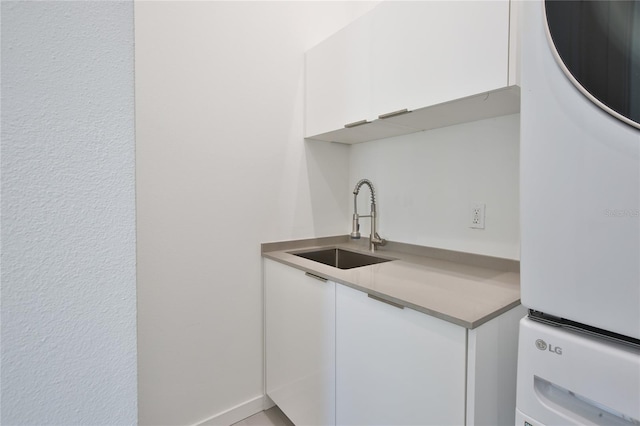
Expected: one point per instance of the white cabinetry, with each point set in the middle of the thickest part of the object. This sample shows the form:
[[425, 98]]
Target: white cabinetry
[[338, 79], [418, 56], [300, 344], [396, 366], [492, 353], [335, 355], [430, 52]]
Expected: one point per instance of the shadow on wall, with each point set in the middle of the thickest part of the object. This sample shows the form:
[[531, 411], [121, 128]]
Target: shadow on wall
[[328, 174]]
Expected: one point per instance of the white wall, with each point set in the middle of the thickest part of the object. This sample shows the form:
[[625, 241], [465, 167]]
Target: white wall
[[426, 182], [222, 167], [68, 214]]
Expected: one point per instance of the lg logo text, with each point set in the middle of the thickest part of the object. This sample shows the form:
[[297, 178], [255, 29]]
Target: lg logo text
[[542, 345]]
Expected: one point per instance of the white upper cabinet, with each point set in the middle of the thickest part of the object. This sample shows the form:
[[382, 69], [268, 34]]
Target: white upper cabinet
[[430, 52], [438, 59], [338, 88]]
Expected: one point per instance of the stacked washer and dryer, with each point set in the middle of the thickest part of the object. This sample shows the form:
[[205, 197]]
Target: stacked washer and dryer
[[579, 347]]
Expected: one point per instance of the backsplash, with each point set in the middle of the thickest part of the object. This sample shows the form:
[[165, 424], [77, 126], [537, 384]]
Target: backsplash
[[427, 182]]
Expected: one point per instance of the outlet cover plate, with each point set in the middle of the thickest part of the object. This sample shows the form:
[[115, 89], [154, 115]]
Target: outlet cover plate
[[477, 216]]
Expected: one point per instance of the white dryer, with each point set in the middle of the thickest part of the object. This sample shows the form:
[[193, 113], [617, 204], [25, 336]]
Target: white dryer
[[579, 349]]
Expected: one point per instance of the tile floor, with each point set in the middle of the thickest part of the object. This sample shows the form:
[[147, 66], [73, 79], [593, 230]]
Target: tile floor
[[271, 417]]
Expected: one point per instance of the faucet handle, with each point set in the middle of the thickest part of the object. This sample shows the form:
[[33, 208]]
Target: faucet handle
[[378, 240]]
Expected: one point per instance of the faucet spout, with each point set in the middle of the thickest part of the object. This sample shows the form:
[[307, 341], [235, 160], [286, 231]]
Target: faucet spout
[[374, 238]]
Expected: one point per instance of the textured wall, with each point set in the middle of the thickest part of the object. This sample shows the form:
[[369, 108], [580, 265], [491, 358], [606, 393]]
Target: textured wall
[[68, 214]]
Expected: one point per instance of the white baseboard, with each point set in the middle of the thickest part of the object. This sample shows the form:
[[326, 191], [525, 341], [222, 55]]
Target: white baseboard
[[239, 412]]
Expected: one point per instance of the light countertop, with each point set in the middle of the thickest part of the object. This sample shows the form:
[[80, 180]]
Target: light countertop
[[464, 289]]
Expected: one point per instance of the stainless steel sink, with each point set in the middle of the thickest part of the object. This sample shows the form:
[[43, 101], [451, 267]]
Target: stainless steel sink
[[340, 258]]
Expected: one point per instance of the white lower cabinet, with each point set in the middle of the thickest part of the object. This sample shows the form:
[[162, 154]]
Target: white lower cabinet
[[334, 355], [396, 366], [492, 354], [300, 344]]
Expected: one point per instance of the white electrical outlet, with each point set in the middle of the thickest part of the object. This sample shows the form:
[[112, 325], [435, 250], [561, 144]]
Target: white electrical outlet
[[477, 216]]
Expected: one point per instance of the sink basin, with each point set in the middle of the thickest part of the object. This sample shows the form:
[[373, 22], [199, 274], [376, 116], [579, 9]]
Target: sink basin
[[340, 258]]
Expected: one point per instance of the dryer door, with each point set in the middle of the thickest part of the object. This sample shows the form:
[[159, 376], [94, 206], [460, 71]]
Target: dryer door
[[579, 196], [597, 44]]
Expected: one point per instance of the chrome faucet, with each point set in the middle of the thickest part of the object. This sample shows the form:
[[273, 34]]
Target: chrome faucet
[[374, 238]]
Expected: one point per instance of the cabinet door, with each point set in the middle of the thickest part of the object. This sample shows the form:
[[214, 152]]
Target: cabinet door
[[300, 344], [429, 52], [338, 83], [396, 366]]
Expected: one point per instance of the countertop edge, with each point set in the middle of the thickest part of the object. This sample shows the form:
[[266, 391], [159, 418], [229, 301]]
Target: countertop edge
[[273, 251]]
